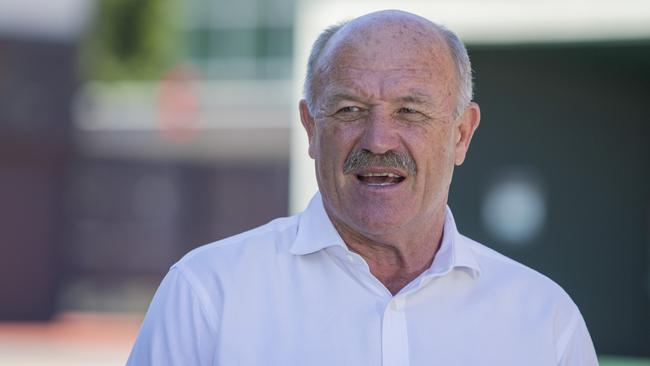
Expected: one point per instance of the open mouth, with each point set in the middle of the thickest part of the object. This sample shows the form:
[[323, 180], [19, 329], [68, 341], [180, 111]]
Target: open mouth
[[380, 179]]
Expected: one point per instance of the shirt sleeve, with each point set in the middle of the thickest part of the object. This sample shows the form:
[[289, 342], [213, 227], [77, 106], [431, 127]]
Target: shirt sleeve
[[577, 347], [176, 329]]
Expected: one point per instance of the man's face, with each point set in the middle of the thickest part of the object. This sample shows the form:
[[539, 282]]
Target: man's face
[[385, 93]]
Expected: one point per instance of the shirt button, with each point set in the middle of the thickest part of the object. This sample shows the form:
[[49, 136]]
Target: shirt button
[[350, 258]]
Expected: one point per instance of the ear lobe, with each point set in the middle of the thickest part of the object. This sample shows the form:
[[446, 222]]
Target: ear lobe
[[467, 125], [308, 123]]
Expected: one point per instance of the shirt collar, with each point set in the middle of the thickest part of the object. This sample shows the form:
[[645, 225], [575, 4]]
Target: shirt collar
[[316, 232], [454, 250]]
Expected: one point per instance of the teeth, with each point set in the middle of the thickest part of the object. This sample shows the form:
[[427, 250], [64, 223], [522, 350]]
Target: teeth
[[390, 175]]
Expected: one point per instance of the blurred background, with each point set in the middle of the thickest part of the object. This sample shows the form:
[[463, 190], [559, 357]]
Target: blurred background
[[134, 131]]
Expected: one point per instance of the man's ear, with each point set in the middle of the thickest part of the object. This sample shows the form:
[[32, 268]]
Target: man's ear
[[309, 124], [467, 125]]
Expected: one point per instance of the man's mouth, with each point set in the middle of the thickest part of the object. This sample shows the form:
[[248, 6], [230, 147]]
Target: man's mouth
[[380, 179]]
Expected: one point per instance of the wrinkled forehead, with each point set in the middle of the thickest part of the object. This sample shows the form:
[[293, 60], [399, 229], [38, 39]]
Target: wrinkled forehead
[[384, 84]]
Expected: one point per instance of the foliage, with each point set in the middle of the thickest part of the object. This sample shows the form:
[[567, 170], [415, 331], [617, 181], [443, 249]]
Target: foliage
[[130, 39]]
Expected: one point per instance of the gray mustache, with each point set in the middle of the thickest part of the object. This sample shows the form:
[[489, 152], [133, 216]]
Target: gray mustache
[[360, 159]]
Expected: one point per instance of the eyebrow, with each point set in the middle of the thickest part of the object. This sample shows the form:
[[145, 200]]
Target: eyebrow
[[337, 97], [415, 97]]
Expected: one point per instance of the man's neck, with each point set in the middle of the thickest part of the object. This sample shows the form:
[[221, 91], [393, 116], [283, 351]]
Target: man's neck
[[397, 259]]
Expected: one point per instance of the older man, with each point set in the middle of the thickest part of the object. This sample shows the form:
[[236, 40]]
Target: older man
[[373, 272]]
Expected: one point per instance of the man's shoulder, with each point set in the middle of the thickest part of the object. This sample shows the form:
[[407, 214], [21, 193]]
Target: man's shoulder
[[507, 272], [519, 296]]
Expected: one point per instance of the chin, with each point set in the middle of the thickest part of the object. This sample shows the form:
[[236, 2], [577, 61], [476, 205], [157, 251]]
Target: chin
[[376, 224]]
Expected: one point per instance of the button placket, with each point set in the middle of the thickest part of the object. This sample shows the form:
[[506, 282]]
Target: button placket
[[395, 348]]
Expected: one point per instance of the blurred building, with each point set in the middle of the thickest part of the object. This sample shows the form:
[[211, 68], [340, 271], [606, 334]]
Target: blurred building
[[199, 154], [109, 180], [37, 85], [248, 39]]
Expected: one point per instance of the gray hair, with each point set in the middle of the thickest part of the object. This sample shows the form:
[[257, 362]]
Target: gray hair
[[456, 47]]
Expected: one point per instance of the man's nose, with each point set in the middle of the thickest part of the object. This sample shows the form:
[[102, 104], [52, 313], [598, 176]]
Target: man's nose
[[380, 135]]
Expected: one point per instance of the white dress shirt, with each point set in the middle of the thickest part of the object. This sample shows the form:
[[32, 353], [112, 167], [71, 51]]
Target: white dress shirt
[[291, 293]]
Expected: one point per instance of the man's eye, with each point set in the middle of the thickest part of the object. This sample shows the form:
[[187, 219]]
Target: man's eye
[[407, 110], [350, 109], [349, 113], [411, 114]]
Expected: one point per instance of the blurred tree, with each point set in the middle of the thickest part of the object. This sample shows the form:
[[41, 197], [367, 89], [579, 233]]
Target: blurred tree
[[131, 39]]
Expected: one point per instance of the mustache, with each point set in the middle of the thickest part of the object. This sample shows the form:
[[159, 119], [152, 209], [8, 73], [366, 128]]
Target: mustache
[[360, 159]]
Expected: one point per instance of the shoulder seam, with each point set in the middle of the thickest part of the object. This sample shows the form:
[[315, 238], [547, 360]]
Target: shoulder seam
[[213, 322], [563, 339]]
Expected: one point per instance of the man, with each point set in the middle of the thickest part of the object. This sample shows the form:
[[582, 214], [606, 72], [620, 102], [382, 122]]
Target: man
[[373, 272]]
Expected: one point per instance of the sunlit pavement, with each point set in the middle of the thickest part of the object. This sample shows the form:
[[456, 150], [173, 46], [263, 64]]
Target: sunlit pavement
[[71, 339]]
